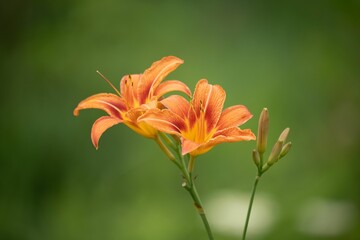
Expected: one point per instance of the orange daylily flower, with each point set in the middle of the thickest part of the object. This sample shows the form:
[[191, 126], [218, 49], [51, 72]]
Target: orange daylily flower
[[138, 93], [201, 124]]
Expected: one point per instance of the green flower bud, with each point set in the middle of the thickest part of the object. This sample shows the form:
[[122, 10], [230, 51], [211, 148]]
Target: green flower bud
[[285, 149], [275, 153], [263, 129], [284, 135], [256, 157]]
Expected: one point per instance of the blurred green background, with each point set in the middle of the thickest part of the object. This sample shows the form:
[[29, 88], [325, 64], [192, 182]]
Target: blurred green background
[[298, 58]]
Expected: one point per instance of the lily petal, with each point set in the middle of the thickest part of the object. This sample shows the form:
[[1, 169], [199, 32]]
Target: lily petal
[[177, 104], [152, 77], [100, 126], [188, 146], [171, 86], [133, 114], [142, 128], [110, 103], [209, 99], [128, 88], [233, 116], [228, 135], [233, 135], [163, 120]]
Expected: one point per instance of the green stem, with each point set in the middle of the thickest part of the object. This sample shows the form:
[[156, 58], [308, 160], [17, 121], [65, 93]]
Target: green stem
[[164, 148], [250, 205], [199, 207], [168, 141], [189, 185], [191, 164]]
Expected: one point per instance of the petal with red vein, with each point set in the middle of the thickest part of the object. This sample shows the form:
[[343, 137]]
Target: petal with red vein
[[171, 86], [155, 74], [233, 116], [110, 103], [100, 126], [129, 88], [234, 135], [228, 135], [210, 100], [177, 104], [163, 120]]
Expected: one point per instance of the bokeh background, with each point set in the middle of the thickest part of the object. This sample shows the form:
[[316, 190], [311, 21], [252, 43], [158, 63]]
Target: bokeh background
[[298, 58]]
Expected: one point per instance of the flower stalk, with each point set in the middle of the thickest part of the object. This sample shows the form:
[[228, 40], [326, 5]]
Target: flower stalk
[[189, 186], [186, 170], [199, 207], [257, 178], [279, 150], [164, 148]]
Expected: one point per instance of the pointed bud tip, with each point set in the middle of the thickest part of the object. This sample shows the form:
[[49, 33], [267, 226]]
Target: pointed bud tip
[[263, 129], [283, 136], [285, 149]]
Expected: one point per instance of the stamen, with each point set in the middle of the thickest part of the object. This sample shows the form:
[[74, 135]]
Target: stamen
[[117, 91], [201, 106], [131, 81]]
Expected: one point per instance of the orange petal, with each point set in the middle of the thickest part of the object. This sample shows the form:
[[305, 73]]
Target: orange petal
[[129, 88], [100, 126], [177, 104], [142, 128], [233, 135], [228, 135], [110, 103], [133, 114], [233, 116], [208, 99], [188, 146], [152, 77], [163, 120], [171, 86]]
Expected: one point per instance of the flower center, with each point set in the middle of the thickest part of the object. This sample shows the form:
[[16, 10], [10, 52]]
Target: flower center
[[198, 132]]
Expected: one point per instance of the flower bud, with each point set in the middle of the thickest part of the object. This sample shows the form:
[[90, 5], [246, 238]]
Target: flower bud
[[263, 129], [285, 149], [275, 153], [284, 135], [256, 157]]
